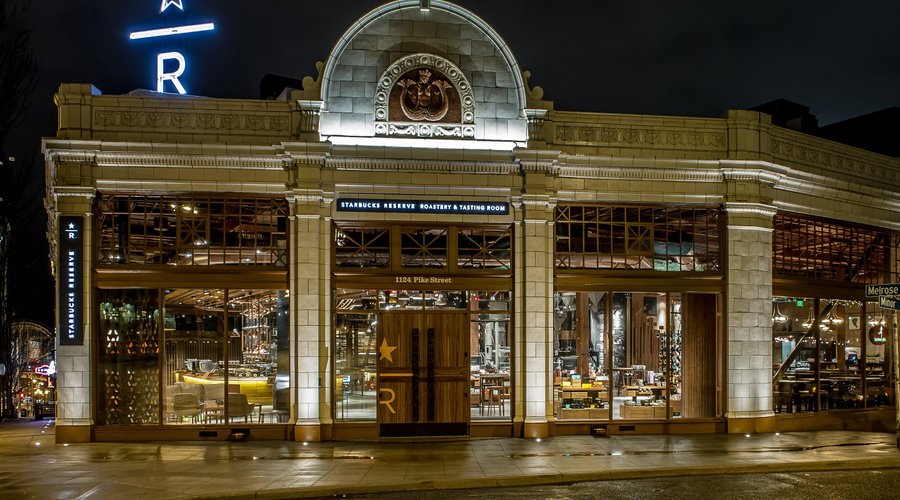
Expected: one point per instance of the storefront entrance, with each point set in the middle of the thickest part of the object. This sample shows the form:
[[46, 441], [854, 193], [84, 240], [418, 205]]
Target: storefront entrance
[[423, 373]]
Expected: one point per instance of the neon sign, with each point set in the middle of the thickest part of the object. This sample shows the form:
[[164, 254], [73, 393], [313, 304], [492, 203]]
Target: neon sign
[[70, 257], [170, 66], [422, 206]]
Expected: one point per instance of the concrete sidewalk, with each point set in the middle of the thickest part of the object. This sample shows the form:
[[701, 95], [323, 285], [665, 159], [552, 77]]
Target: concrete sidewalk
[[32, 465]]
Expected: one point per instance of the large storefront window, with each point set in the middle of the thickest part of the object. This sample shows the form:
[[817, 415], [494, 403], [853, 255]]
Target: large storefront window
[[224, 357], [830, 354], [833, 351], [635, 356]]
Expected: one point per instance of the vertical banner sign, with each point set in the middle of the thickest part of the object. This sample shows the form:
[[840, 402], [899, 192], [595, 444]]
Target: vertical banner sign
[[71, 276], [171, 65]]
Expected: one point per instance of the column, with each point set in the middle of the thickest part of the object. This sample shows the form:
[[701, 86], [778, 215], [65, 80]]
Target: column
[[74, 403], [310, 308], [749, 326], [536, 313]]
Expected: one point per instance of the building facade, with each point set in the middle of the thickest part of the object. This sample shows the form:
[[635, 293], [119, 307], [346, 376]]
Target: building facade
[[416, 243]]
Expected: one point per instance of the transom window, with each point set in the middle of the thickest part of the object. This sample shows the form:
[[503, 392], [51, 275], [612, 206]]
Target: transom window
[[803, 247], [634, 238], [192, 230], [429, 248]]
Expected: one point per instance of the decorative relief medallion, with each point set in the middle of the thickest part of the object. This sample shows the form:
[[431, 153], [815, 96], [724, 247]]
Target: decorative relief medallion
[[425, 98], [424, 95]]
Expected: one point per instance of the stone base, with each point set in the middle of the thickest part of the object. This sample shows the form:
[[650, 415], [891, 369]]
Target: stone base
[[752, 425], [73, 434], [308, 433], [536, 430]]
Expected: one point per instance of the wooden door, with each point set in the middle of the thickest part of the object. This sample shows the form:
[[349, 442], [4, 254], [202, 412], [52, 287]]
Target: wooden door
[[423, 373]]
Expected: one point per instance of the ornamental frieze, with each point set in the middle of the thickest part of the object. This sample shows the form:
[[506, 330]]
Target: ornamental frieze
[[834, 163], [629, 135], [190, 120]]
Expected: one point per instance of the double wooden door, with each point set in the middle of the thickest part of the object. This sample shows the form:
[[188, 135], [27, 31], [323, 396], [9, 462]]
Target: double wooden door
[[423, 373]]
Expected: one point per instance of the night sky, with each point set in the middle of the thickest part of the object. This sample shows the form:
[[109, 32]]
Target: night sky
[[695, 58]]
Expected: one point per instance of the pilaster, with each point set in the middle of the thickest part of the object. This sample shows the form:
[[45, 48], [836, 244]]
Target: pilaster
[[748, 304], [74, 398], [536, 313]]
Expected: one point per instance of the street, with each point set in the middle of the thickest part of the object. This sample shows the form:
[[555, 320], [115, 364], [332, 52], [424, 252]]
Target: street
[[782, 486]]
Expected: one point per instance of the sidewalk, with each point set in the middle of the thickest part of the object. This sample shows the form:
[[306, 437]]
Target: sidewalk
[[33, 466]]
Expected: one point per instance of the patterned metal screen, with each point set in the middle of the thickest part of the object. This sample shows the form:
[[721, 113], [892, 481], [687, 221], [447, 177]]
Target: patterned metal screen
[[192, 230], [637, 238]]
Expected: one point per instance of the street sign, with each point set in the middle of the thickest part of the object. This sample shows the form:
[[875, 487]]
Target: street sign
[[889, 289], [889, 303]]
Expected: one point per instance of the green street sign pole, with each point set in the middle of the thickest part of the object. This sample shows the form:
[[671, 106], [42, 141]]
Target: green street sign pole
[[885, 294]]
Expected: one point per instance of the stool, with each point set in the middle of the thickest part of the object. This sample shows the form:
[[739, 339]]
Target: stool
[[492, 399], [278, 416]]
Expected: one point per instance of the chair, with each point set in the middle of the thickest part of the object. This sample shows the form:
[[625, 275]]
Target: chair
[[238, 406], [186, 404]]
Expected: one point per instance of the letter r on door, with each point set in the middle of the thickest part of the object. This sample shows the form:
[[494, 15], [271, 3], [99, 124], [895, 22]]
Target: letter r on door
[[388, 401]]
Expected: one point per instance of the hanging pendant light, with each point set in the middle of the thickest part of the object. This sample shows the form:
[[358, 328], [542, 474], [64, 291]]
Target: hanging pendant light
[[809, 320], [777, 316]]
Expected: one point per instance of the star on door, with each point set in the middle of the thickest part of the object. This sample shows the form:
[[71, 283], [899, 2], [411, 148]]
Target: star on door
[[386, 351]]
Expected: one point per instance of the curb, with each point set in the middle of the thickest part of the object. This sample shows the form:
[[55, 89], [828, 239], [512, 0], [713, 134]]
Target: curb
[[549, 479]]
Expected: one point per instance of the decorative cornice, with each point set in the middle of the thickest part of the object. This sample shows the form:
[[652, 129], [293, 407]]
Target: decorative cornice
[[74, 191], [836, 164], [404, 165], [748, 174], [178, 120], [170, 160], [739, 208], [607, 135]]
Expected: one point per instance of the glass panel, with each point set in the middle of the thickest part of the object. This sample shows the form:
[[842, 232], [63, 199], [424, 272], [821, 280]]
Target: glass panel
[[484, 248], [192, 230], [638, 329], [877, 327], [355, 358], [840, 355], [368, 247], [195, 356], [675, 343], [581, 378], [423, 248], [347, 300], [128, 357], [794, 334], [259, 369], [490, 383]]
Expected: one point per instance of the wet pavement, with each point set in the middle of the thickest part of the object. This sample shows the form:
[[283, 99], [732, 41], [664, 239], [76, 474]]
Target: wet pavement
[[33, 465]]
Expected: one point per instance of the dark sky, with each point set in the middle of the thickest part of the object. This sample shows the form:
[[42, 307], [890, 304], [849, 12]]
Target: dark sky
[[696, 58]]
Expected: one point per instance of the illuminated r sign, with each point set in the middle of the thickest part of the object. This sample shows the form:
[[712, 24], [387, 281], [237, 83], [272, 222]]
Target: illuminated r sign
[[162, 75], [166, 60]]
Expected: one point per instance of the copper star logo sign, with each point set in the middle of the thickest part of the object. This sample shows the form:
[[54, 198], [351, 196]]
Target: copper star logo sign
[[386, 351]]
